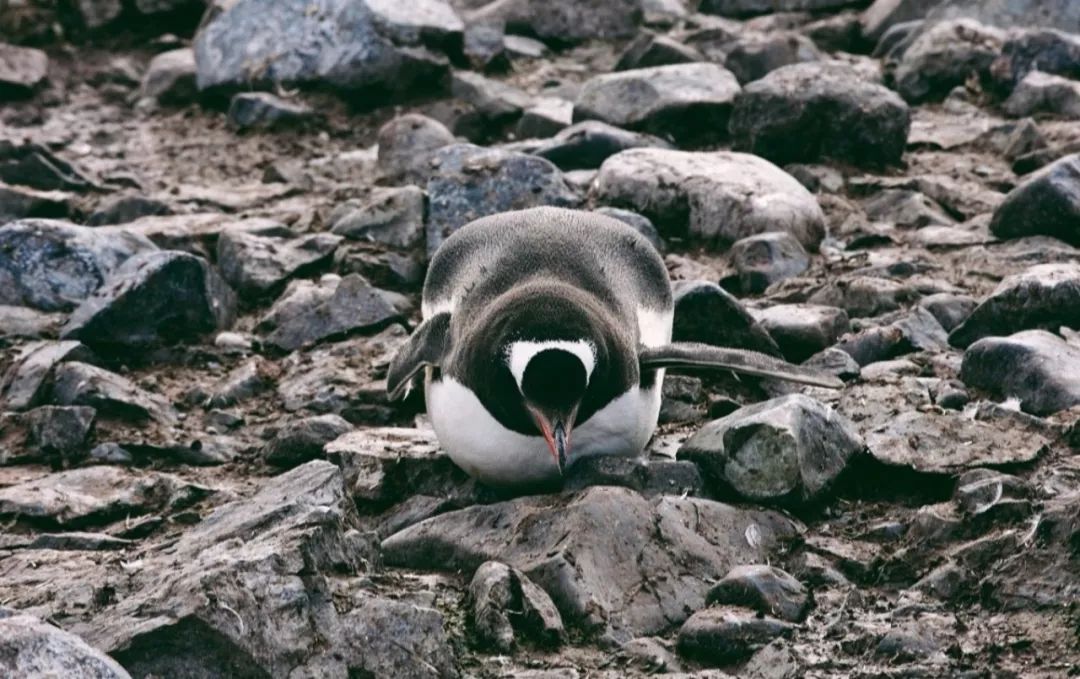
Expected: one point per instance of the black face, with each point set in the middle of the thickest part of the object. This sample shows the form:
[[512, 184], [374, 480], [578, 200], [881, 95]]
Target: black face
[[554, 381]]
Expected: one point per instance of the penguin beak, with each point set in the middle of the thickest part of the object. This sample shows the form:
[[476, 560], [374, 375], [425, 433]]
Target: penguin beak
[[556, 432]]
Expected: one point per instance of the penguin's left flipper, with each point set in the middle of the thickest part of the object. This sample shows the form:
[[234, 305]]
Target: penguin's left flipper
[[426, 347], [696, 355]]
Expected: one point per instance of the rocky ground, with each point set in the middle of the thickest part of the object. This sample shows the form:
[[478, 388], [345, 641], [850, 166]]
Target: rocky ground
[[213, 229]]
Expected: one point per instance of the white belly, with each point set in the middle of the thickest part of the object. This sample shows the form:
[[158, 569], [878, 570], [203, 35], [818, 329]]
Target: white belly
[[500, 457]]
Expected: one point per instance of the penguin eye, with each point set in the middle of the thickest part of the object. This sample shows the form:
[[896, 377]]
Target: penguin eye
[[554, 378]]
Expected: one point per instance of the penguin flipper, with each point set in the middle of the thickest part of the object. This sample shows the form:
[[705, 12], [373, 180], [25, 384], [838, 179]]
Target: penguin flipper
[[426, 347], [696, 355]]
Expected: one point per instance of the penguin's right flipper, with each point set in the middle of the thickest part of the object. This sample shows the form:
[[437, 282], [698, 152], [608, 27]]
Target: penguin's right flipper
[[426, 347], [696, 355]]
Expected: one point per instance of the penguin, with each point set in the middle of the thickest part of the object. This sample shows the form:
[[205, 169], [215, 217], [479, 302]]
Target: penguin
[[545, 337]]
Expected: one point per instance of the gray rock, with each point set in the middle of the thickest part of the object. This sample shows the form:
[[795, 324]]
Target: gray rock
[[754, 55], [586, 145], [716, 197], [472, 182], [20, 203], [743, 8], [1046, 203], [545, 118], [79, 384], [865, 295], [20, 321], [1041, 92], [484, 46], [639, 223], [939, 442], [918, 331], [766, 258], [242, 383], [945, 56], [834, 361], [505, 600], [885, 14], [170, 77], [802, 330], [493, 106], [28, 378], [60, 432], [258, 266], [1064, 15], [1025, 138], [154, 298], [301, 441], [648, 50], [788, 450], [650, 655], [1046, 296], [366, 45], [434, 23], [836, 33], [949, 309], [406, 144], [905, 209], [308, 313], [391, 216], [33, 165], [690, 103], [809, 112], [705, 312], [54, 265], [22, 70], [127, 209], [262, 110], [568, 21], [597, 577], [30, 647], [725, 635], [1044, 50], [1038, 368], [766, 589], [96, 495], [648, 477]]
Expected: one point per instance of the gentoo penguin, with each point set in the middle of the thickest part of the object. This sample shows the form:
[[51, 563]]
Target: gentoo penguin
[[544, 340]]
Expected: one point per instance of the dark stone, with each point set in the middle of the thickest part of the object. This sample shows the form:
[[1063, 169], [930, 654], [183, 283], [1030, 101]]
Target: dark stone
[[1036, 367], [391, 216], [883, 15], [945, 56], [29, 376], [262, 110], [705, 312], [766, 589], [1044, 50], [802, 330], [690, 103], [301, 441], [720, 636], [746, 8], [1047, 203], [918, 331], [545, 118], [568, 21], [35, 166], [21, 203], [259, 266], [470, 182], [814, 111], [588, 144], [154, 298], [766, 258], [493, 106], [949, 309], [54, 266], [754, 55], [905, 209], [1046, 296], [127, 209], [648, 477], [79, 384], [60, 432], [786, 450]]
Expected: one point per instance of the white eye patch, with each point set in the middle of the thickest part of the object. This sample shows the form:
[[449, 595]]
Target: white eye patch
[[520, 353]]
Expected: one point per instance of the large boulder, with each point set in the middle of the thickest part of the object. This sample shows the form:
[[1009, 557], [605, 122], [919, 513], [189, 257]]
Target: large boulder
[[944, 56], [689, 103], [610, 559], [347, 44], [30, 647], [717, 197], [1046, 204], [154, 298], [1036, 367], [813, 111], [54, 265]]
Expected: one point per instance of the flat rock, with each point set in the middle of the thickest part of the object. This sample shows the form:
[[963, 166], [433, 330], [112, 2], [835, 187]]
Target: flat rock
[[79, 384], [470, 182], [54, 265], [28, 379], [788, 449], [22, 70], [30, 647], [257, 266], [308, 312], [943, 442], [1046, 203], [690, 103], [944, 56], [648, 50], [301, 441], [34, 165], [568, 21], [586, 145], [170, 77], [716, 197], [406, 144], [623, 579], [95, 495], [649, 477], [765, 258], [705, 312], [766, 589], [802, 330], [725, 635], [1036, 367], [154, 298], [198, 233], [391, 216], [1045, 296], [338, 43]]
